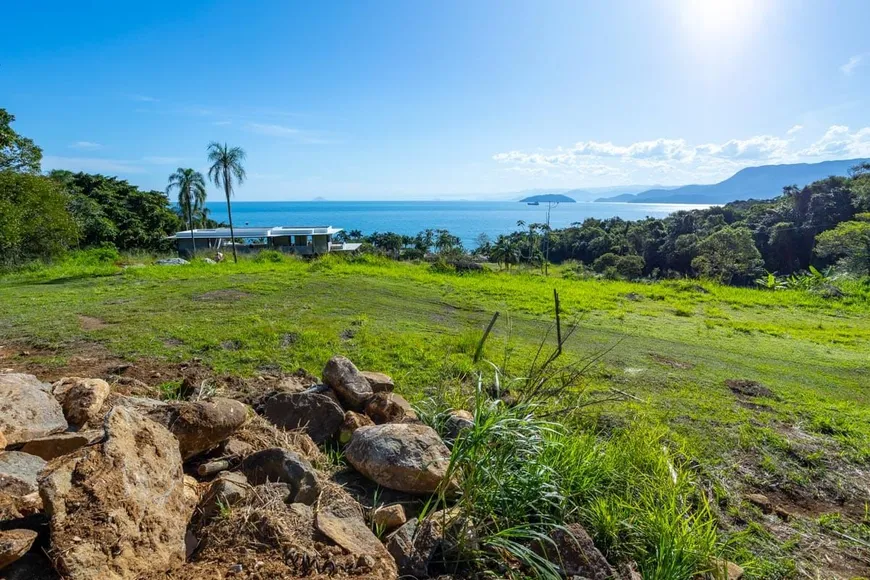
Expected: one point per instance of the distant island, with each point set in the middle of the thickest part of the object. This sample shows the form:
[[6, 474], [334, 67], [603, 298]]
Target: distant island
[[318, 198], [763, 182], [548, 198]]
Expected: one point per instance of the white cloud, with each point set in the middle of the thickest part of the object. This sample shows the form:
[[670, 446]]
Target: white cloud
[[838, 141], [854, 62], [762, 147], [85, 145], [143, 99], [222, 123], [679, 161]]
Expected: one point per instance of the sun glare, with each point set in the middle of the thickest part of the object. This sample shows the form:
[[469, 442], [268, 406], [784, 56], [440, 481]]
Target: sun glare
[[720, 25]]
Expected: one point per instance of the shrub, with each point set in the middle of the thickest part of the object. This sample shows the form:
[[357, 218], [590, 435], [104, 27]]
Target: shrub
[[630, 267], [265, 256], [605, 261]]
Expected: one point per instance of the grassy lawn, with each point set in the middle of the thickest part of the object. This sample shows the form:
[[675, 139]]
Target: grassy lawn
[[795, 424]]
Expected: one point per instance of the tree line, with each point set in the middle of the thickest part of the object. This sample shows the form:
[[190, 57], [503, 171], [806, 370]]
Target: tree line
[[42, 216], [824, 224]]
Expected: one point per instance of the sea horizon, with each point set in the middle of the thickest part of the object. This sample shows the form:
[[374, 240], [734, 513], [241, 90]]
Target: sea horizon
[[466, 219]]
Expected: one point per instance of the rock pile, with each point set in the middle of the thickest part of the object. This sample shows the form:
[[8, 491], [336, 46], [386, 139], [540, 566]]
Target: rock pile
[[98, 484]]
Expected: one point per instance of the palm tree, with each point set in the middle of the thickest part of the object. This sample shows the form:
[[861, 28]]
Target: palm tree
[[191, 195], [226, 166]]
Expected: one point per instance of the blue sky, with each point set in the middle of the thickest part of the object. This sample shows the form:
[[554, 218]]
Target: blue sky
[[407, 99]]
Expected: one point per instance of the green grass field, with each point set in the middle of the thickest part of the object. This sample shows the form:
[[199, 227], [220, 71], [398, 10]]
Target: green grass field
[[803, 438]]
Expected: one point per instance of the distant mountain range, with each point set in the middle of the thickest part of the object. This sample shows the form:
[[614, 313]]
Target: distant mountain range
[[764, 182]]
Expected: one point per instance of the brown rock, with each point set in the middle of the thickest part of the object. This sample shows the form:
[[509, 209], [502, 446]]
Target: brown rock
[[389, 408], [379, 382], [346, 527], [27, 409], [389, 517], [13, 507], [236, 448], [316, 414], [81, 399], [19, 472], [14, 544], [760, 501], [574, 552], [54, 446], [349, 384], [202, 425], [725, 570], [352, 422], [2, 441], [402, 456], [227, 489], [118, 510]]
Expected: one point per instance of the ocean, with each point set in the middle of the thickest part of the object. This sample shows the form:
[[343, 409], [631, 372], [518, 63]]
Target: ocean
[[465, 219]]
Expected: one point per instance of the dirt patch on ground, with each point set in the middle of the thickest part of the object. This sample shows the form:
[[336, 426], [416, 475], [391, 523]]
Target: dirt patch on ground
[[748, 388], [226, 295], [669, 362], [140, 376], [91, 322]]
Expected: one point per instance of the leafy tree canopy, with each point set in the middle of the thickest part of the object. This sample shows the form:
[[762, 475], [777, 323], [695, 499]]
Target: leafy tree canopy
[[17, 153]]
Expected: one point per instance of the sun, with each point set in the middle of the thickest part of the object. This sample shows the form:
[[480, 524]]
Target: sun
[[716, 25]]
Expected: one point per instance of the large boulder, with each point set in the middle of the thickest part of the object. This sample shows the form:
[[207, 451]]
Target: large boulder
[[118, 510], [19, 473], [81, 399], [402, 456], [27, 409], [389, 408], [317, 414], [285, 466], [201, 425], [348, 382], [14, 544]]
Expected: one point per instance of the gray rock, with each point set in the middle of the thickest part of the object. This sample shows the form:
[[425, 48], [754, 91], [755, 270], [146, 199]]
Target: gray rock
[[172, 262], [402, 456], [27, 409], [202, 425], [54, 446], [285, 466], [317, 414], [119, 510], [379, 382], [574, 552], [413, 545], [348, 383], [14, 544], [457, 422], [19, 473]]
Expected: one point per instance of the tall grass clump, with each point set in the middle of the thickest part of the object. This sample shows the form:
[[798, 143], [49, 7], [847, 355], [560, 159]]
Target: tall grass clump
[[521, 475]]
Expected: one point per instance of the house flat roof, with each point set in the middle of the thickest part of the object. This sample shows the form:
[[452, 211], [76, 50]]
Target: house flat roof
[[260, 232]]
